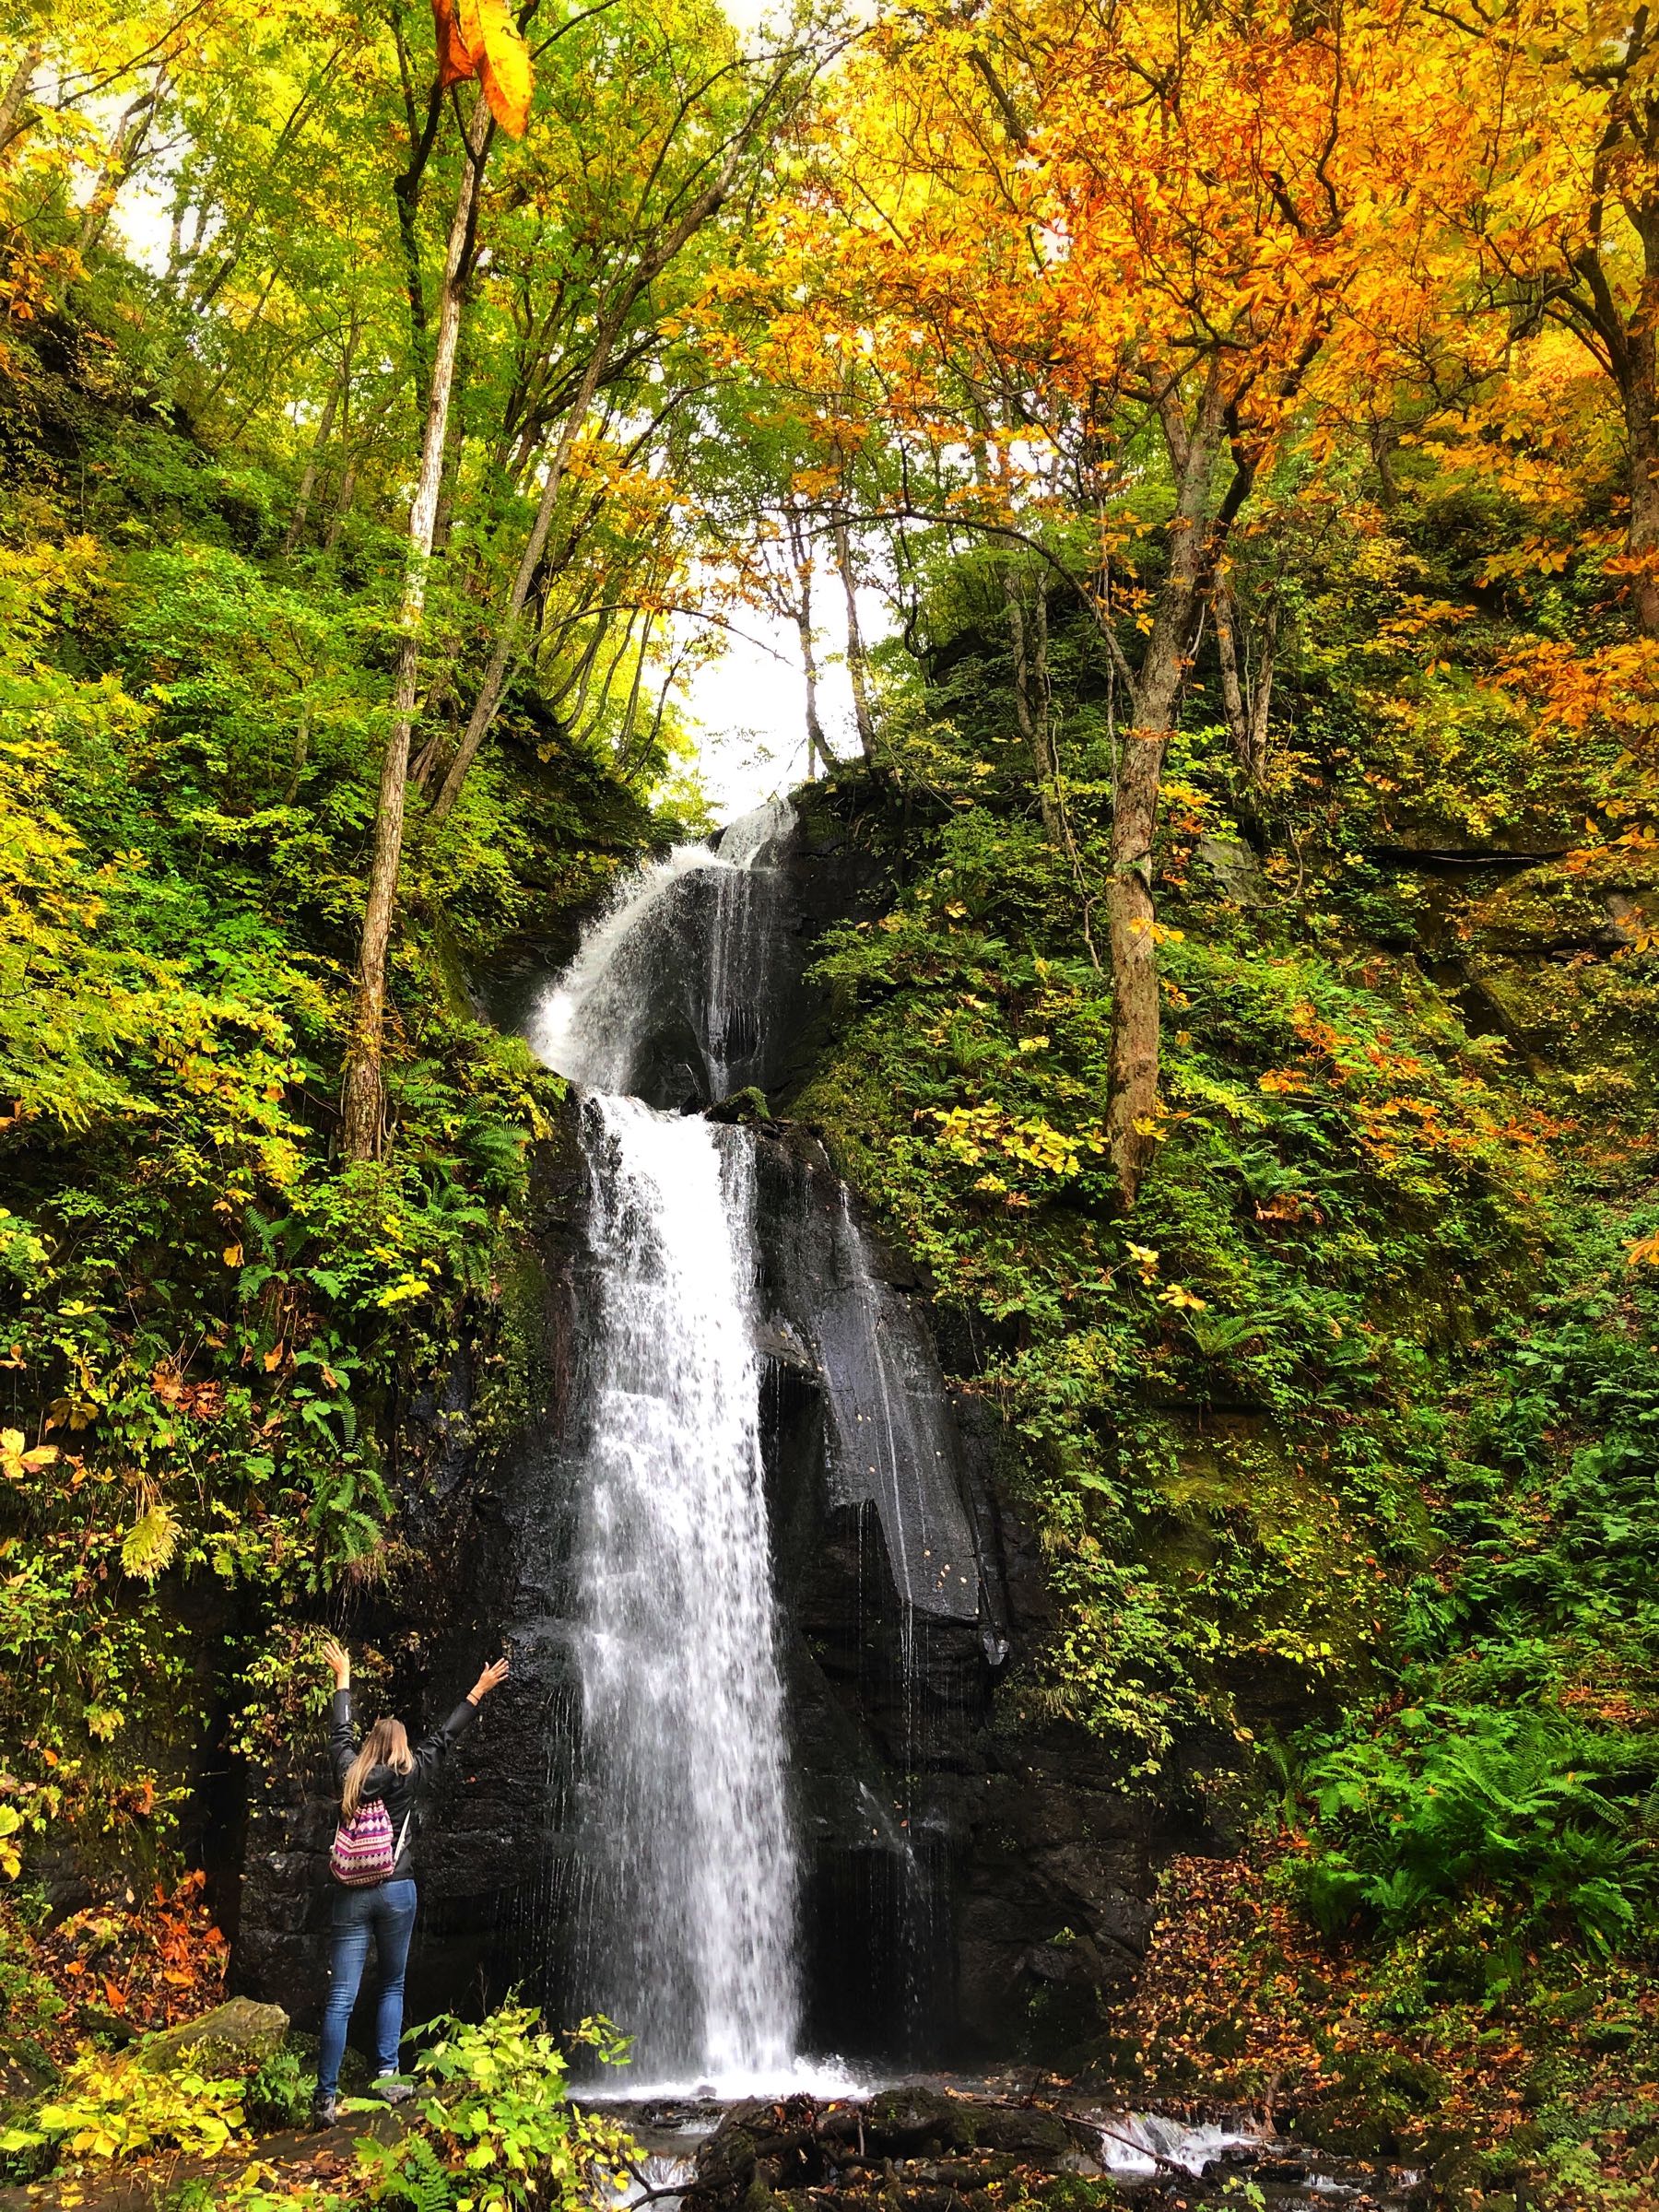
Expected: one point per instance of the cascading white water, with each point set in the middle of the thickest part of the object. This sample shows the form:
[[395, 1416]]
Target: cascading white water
[[689, 1923], [689, 1878], [665, 997]]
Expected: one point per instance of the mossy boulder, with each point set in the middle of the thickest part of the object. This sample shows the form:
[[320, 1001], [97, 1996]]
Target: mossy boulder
[[233, 2038]]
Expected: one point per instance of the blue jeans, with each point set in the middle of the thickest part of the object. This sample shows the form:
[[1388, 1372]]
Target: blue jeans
[[386, 1912]]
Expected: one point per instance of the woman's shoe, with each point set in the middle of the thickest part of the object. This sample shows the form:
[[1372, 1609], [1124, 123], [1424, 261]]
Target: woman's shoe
[[393, 2092], [325, 2111]]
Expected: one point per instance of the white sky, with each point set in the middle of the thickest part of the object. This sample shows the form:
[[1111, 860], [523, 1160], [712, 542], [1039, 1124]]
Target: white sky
[[751, 705]]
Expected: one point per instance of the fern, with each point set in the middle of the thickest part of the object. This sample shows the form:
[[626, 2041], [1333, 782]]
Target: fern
[[426, 2180], [413, 2177]]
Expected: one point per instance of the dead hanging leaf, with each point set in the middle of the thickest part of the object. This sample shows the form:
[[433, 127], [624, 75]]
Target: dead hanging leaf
[[167, 1383], [481, 39], [234, 1255], [455, 64]]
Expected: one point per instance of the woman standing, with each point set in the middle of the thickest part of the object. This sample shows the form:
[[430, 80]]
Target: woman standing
[[375, 1894]]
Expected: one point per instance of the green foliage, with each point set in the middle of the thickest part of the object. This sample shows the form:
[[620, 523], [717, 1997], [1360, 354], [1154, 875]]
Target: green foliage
[[279, 2092], [113, 2108], [1523, 1763], [209, 1329], [1353, 1415], [500, 2109], [1456, 1798]]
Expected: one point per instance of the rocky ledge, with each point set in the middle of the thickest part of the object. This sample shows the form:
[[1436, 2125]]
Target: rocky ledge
[[918, 2149]]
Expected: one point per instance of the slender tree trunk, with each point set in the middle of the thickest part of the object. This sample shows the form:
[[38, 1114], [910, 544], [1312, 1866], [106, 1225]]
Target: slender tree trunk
[[299, 753], [360, 1096], [630, 718], [1227, 652], [125, 149], [1131, 916], [1030, 709], [1641, 397], [337, 520], [16, 92], [1261, 694], [308, 481], [1246, 693], [504, 651], [816, 747], [858, 665]]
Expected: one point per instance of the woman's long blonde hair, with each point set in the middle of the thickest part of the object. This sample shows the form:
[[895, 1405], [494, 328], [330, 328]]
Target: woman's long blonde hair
[[386, 1744]]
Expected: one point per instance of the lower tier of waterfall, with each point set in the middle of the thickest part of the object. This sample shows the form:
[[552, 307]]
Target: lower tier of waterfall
[[686, 1921]]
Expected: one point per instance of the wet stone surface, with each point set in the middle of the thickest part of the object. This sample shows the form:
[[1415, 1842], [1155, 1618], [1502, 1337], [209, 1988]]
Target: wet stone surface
[[923, 2149]]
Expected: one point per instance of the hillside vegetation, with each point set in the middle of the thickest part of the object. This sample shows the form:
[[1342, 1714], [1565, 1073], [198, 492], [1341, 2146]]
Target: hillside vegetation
[[1247, 424]]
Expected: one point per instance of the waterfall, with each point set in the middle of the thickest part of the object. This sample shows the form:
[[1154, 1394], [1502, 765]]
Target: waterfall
[[684, 1824], [686, 1927], [696, 1884], [667, 997]]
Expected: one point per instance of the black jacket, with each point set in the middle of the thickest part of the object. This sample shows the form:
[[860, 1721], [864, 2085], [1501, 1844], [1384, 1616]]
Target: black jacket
[[401, 1792]]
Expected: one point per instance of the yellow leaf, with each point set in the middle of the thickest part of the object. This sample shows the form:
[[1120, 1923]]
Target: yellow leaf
[[495, 48], [234, 1255]]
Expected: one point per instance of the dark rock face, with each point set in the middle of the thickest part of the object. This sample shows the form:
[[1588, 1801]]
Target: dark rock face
[[950, 2145], [969, 1880]]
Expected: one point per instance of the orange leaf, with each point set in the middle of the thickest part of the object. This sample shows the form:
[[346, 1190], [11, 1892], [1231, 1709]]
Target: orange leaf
[[111, 1991], [455, 64]]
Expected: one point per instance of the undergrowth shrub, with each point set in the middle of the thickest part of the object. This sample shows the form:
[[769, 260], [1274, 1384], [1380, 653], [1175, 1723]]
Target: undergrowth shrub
[[1469, 1797]]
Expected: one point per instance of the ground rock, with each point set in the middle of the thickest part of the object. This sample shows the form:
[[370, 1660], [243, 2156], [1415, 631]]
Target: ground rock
[[903, 2144], [230, 2039]]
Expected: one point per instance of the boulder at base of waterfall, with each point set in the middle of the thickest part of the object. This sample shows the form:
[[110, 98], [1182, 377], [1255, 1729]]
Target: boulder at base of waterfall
[[914, 2148], [231, 2039]]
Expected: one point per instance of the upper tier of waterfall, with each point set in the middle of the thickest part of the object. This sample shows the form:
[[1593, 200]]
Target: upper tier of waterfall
[[667, 997]]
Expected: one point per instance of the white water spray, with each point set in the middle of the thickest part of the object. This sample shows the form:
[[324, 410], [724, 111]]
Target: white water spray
[[687, 1837]]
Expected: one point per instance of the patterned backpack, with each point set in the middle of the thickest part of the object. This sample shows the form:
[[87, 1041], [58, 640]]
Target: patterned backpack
[[363, 1852]]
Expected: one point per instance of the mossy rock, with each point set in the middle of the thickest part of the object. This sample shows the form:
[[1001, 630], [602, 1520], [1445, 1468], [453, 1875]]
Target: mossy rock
[[233, 2038], [1378, 2107], [904, 2123]]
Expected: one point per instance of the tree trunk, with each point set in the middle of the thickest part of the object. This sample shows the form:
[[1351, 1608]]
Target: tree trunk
[[1132, 1095], [504, 651], [858, 665], [816, 747], [1641, 405], [336, 522], [308, 481], [16, 92], [299, 753], [1131, 917], [125, 149], [361, 1104], [1031, 706]]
